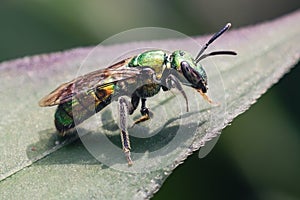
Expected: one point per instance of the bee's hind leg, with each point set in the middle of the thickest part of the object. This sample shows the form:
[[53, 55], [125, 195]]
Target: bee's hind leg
[[125, 108]]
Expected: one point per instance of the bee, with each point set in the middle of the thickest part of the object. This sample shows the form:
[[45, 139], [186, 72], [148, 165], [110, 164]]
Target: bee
[[138, 77]]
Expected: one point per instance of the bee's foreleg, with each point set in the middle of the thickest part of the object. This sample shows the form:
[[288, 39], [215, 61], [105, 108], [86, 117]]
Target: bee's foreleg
[[125, 108], [171, 81]]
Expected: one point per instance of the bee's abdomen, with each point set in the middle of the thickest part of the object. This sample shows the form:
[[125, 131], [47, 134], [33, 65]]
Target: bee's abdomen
[[63, 118], [81, 107]]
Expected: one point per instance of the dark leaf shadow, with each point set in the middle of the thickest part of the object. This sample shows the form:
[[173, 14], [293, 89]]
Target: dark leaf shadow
[[70, 149]]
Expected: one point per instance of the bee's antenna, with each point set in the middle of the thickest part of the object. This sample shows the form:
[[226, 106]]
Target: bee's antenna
[[214, 53], [213, 38]]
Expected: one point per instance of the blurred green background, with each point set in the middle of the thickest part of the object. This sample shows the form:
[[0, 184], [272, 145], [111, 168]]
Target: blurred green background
[[255, 158]]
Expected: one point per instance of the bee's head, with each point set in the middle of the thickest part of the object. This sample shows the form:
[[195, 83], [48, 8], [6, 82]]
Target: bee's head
[[190, 68], [194, 73]]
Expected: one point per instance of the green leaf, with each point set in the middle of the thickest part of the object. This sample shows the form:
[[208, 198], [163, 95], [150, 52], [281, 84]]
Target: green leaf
[[33, 165]]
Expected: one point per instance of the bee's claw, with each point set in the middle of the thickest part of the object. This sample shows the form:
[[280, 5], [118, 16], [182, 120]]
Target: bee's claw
[[128, 157]]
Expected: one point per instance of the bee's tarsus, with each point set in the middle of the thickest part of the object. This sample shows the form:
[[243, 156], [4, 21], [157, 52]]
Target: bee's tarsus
[[128, 157]]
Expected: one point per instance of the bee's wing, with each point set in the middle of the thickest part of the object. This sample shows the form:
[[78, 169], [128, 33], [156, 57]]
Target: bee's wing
[[92, 80]]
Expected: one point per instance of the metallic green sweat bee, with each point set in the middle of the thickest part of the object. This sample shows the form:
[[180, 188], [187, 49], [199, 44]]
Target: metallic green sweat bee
[[138, 77]]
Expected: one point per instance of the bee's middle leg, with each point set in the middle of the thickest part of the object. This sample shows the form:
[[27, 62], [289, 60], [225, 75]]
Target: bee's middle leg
[[144, 112]]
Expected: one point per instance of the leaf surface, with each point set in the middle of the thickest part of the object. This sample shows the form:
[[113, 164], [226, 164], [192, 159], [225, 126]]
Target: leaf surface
[[33, 165]]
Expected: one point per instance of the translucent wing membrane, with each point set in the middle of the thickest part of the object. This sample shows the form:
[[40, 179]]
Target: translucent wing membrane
[[118, 72]]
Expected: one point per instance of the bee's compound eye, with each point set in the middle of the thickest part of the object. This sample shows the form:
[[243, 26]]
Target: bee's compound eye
[[185, 66]]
